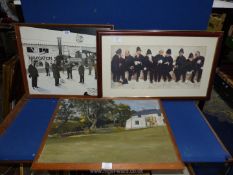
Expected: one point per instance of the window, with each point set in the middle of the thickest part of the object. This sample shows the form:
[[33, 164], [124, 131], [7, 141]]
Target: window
[[136, 122], [43, 50], [30, 49], [41, 64]]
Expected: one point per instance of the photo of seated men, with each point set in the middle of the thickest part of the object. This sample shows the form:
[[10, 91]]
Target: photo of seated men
[[150, 67]]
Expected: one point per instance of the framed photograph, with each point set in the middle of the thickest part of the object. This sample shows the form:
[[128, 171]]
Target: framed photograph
[[157, 64], [59, 59], [112, 134]]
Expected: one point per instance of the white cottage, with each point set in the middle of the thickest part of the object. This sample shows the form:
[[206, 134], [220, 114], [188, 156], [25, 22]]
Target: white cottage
[[135, 122], [145, 119]]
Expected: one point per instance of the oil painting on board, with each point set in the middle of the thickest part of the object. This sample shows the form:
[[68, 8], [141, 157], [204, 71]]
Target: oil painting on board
[[86, 131]]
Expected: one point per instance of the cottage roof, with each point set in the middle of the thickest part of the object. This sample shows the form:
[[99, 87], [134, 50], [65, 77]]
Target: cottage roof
[[147, 112]]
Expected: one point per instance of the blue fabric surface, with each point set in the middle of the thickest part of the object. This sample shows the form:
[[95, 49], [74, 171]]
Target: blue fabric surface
[[195, 140], [22, 139], [124, 14]]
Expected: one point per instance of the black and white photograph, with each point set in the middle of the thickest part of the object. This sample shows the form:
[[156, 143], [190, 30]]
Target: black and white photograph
[[60, 59], [137, 65]]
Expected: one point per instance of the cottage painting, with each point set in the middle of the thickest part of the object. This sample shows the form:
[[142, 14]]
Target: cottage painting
[[144, 119], [107, 130]]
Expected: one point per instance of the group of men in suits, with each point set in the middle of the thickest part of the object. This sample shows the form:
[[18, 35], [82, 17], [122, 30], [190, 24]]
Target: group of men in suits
[[34, 74], [160, 66]]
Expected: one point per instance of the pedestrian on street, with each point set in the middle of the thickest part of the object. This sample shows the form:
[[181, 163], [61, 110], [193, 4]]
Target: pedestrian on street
[[33, 74], [81, 71]]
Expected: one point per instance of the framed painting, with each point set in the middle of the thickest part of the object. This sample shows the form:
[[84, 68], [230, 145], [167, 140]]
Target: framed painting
[[108, 134], [59, 59], [157, 63]]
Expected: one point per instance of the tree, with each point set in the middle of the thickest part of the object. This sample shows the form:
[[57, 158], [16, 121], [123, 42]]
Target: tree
[[123, 112], [94, 110], [65, 110], [64, 113]]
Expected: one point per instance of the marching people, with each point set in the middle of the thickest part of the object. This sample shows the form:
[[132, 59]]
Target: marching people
[[198, 66], [138, 62], [146, 64], [168, 65], [129, 64], [56, 73], [189, 66], [81, 71], [47, 68], [115, 66], [69, 70], [180, 66], [33, 74]]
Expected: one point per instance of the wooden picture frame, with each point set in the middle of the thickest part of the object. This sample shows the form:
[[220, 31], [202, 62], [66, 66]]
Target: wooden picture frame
[[12, 84], [44, 161], [155, 71], [12, 115], [59, 57], [7, 76]]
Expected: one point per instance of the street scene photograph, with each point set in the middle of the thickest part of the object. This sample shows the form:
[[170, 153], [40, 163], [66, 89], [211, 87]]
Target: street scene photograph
[[60, 61]]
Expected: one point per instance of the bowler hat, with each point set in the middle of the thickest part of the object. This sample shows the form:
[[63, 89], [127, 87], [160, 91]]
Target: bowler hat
[[148, 52], [181, 50], [169, 51], [119, 51], [138, 49]]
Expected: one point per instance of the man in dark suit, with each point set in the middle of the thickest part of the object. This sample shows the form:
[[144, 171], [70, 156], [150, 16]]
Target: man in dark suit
[[115, 66], [56, 73], [81, 71], [138, 62], [69, 70], [150, 65], [155, 67], [160, 61], [90, 63], [33, 74], [168, 65], [47, 68], [198, 66], [189, 67], [180, 66], [147, 64], [122, 69], [129, 64]]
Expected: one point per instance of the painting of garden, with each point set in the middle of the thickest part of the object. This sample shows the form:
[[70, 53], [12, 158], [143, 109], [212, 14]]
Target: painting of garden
[[107, 130]]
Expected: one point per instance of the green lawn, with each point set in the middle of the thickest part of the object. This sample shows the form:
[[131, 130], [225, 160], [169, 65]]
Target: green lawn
[[151, 145]]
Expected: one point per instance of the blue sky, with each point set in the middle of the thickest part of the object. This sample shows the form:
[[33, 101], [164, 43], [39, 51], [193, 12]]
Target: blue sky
[[138, 105]]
